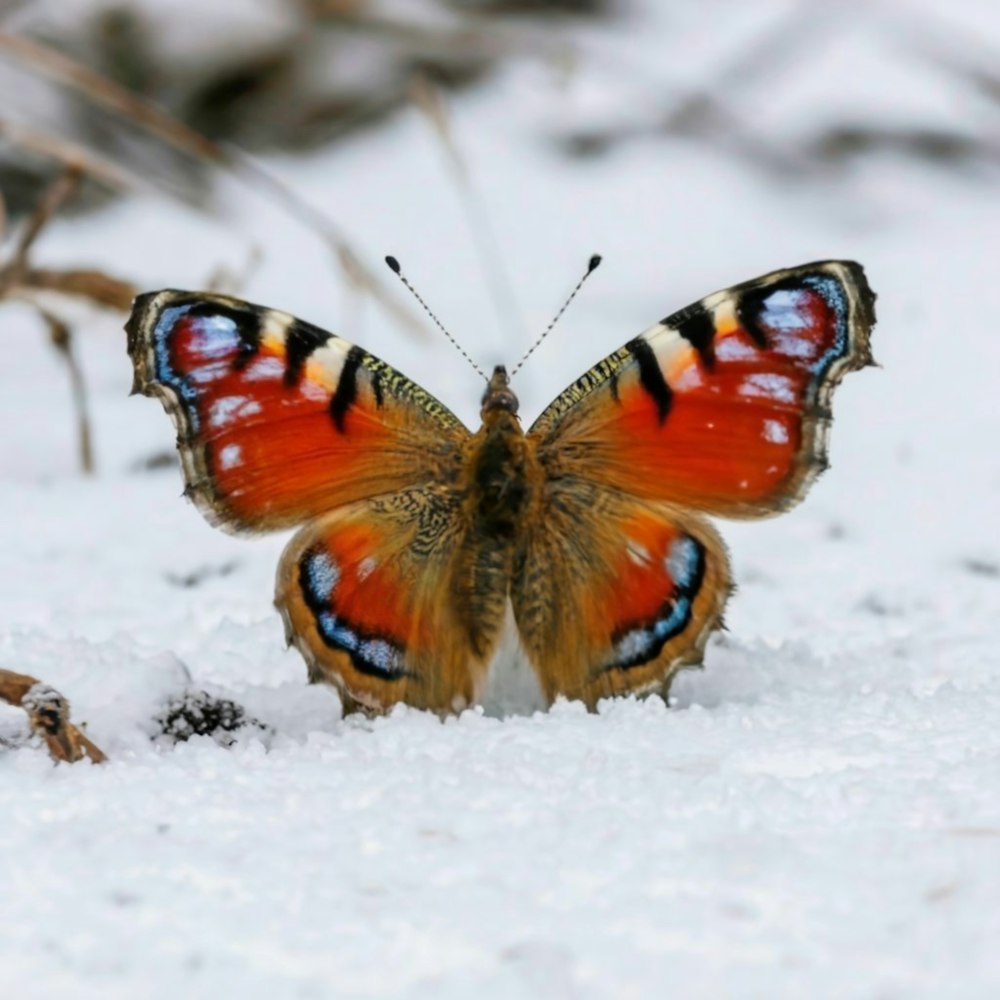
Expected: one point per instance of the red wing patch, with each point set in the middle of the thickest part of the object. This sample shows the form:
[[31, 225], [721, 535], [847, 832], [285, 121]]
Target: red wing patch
[[723, 407], [279, 421]]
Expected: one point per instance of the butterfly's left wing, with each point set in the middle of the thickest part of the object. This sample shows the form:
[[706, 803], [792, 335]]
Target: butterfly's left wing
[[723, 407], [277, 420]]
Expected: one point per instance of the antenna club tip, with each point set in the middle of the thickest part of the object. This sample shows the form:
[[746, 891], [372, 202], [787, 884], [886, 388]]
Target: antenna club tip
[[594, 263], [394, 264]]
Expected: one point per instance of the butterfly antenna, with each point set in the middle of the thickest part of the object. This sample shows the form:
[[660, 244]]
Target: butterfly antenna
[[592, 266], [398, 271]]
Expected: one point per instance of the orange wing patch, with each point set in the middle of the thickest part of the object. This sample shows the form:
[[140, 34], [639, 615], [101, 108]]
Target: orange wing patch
[[723, 407], [277, 420]]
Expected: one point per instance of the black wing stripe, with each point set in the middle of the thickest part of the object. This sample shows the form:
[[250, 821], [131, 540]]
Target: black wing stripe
[[651, 377], [347, 388]]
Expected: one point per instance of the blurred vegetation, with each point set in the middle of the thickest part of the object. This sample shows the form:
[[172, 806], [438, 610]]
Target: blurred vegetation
[[283, 76], [110, 95], [105, 100], [299, 74]]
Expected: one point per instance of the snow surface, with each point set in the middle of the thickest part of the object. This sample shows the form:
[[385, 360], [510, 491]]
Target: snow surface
[[816, 814]]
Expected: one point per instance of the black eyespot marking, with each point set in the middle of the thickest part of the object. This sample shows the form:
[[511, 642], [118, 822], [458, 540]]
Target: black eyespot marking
[[246, 321], [639, 642], [651, 376], [301, 341], [377, 389], [347, 388]]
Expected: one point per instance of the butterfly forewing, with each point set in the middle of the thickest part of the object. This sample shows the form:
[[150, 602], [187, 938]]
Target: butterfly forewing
[[277, 420], [724, 406]]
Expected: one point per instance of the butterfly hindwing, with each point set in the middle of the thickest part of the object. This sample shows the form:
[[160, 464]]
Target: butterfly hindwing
[[277, 420], [723, 407], [614, 594], [392, 601]]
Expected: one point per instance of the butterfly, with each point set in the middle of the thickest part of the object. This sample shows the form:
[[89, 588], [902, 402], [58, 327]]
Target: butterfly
[[419, 541]]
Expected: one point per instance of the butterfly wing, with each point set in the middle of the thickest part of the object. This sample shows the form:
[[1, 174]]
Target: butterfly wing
[[394, 600], [723, 407], [277, 420], [615, 594]]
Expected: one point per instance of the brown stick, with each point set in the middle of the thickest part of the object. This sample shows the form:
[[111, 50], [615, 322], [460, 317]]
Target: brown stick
[[62, 340], [56, 195], [48, 716], [101, 90], [19, 280], [105, 92], [95, 286], [72, 154]]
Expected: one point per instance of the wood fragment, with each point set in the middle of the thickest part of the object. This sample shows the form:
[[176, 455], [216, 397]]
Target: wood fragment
[[19, 280], [49, 717]]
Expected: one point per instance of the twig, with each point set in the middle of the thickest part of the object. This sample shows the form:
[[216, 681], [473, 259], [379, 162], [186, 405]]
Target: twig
[[48, 715], [56, 195], [62, 340], [19, 280], [70, 154], [61, 68], [95, 286], [104, 92]]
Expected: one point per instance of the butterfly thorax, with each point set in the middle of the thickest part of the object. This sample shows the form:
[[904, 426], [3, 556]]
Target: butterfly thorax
[[502, 466]]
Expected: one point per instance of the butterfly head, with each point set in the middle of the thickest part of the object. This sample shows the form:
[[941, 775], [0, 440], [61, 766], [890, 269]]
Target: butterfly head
[[499, 397]]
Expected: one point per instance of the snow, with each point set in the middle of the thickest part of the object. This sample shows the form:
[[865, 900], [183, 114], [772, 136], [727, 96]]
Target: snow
[[818, 811]]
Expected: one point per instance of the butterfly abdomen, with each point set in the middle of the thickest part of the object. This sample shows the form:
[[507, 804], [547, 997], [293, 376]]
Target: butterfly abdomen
[[500, 490]]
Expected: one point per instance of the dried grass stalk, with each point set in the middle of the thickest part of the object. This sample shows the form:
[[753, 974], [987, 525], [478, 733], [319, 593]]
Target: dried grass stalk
[[48, 715], [104, 92]]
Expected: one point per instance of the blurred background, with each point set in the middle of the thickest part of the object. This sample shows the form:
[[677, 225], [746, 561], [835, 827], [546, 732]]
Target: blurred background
[[279, 148], [790, 90]]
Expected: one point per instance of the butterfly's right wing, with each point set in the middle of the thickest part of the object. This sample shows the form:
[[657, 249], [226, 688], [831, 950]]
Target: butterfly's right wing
[[723, 407], [277, 420]]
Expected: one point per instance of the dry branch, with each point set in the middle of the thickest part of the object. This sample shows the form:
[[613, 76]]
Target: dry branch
[[70, 154], [105, 93], [48, 715], [19, 280]]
